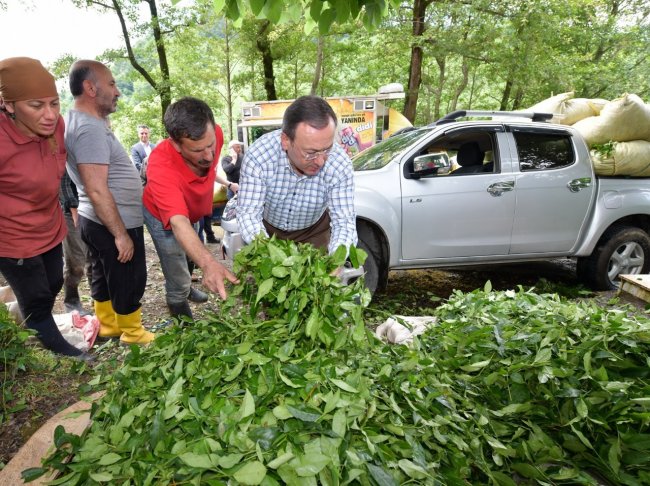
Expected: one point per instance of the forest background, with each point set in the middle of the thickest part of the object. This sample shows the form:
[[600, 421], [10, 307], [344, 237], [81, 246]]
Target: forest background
[[448, 54]]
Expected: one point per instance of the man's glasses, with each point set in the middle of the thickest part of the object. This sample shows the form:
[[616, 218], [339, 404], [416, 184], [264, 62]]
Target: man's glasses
[[315, 155]]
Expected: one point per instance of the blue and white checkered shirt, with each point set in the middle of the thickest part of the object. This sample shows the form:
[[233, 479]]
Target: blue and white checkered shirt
[[272, 190]]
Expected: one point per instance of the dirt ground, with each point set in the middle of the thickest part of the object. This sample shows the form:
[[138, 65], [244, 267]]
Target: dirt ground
[[413, 289]]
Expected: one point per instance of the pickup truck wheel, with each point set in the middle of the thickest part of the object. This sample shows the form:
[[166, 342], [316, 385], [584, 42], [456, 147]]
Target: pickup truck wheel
[[370, 268], [621, 250]]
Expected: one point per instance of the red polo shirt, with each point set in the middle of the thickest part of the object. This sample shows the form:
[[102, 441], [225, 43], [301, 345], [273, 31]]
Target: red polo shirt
[[172, 188], [31, 220]]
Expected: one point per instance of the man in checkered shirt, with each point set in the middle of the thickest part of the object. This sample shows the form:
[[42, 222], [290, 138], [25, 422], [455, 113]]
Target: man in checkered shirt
[[297, 183]]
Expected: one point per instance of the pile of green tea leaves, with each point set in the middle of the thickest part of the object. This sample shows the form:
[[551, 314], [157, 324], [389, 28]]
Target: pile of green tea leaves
[[289, 387]]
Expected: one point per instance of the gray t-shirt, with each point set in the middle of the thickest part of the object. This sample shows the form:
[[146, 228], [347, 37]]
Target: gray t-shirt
[[88, 140]]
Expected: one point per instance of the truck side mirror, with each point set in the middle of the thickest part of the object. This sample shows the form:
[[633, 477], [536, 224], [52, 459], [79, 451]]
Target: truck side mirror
[[436, 163]]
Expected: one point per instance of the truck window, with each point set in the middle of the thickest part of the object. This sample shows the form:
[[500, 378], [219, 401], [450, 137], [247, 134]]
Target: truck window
[[543, 151]]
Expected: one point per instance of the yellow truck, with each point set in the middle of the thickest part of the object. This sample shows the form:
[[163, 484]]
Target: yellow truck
[[363, 120]]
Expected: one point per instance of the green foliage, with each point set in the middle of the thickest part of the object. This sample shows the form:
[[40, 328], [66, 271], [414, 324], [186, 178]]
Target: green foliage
[[604, 149], [15, 355], [507, 388], [480, 54]]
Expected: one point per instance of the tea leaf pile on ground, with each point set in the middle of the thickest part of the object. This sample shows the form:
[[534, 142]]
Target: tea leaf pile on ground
[[508, 388]]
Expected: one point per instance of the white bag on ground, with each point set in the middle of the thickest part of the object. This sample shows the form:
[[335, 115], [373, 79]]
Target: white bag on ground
[[627, 158], [392, 331], [622, 120], [80, 331]]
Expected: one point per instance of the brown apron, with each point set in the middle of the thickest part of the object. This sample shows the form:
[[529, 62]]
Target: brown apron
[[317, 234]]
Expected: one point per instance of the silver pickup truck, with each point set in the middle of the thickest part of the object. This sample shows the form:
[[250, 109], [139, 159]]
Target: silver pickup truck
[[506, 187]]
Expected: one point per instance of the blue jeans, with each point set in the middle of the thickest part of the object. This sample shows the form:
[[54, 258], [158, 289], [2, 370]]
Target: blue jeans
[[172, 260]]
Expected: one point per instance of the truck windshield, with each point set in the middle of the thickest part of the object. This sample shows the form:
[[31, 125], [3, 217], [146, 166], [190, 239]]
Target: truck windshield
[[381, 154]]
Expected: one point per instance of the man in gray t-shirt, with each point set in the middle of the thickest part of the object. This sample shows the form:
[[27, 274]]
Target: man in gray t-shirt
[[110, 204]]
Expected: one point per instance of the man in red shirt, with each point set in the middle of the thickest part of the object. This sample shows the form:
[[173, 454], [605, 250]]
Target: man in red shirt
[[180, 184]]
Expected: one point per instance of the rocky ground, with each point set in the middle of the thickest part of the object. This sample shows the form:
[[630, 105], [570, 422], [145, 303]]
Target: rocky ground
[[413, 290]]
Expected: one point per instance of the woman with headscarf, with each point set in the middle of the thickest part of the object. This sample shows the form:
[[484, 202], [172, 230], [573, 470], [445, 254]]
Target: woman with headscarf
[[32, 227]]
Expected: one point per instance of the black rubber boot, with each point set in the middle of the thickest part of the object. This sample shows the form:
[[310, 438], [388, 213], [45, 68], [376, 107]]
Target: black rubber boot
[[180, 310], [48, 333], [197, 296], [71, 300]]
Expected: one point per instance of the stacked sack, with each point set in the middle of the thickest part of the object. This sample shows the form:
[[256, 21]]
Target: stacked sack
[[617, 131], [567, 110]]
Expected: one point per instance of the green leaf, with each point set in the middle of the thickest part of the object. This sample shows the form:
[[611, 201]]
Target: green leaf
[[251, 473], [257, 6], [32, 473], [280, 460], [475, 366], [199, 461], [310, 464], [234, 372], [381, 476], [101, 477], [248, 406], [326, 20], [230, 460], [110, 458], [412, 470], [313, 323], [264, 289], [282, 412], [273, 10], [614, 456], [339, 422], [340, 255], [303, 414], [344, 386]]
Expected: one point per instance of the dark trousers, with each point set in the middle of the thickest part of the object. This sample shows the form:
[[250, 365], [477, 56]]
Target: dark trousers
[[35, 281], [121, 283], [317, 234]]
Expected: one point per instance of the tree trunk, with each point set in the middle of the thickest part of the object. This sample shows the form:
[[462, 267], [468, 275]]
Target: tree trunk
[[417, 56], [506, 95], [461, 87], [163, 88], [264, 46], [442, 70]]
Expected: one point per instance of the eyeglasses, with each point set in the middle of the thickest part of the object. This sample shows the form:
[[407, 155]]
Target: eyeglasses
[[315, 155]]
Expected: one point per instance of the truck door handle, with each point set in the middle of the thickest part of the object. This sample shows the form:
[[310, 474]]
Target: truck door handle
[[578, 184], [499, 188]]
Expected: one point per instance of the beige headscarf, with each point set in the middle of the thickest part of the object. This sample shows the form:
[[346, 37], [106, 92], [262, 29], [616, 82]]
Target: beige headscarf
[[23, 78]]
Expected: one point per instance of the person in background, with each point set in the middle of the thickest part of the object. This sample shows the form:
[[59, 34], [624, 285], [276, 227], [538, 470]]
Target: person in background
[[180, 185], [75, 252], [110, 204], [143, 148], [297, 183], [231, 165], [32, 161]]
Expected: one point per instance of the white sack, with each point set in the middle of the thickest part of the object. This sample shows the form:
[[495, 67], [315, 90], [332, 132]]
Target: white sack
[[627, 158], [78, 330], [577, 109], [552, 105], [621, 120], [392, 331]]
